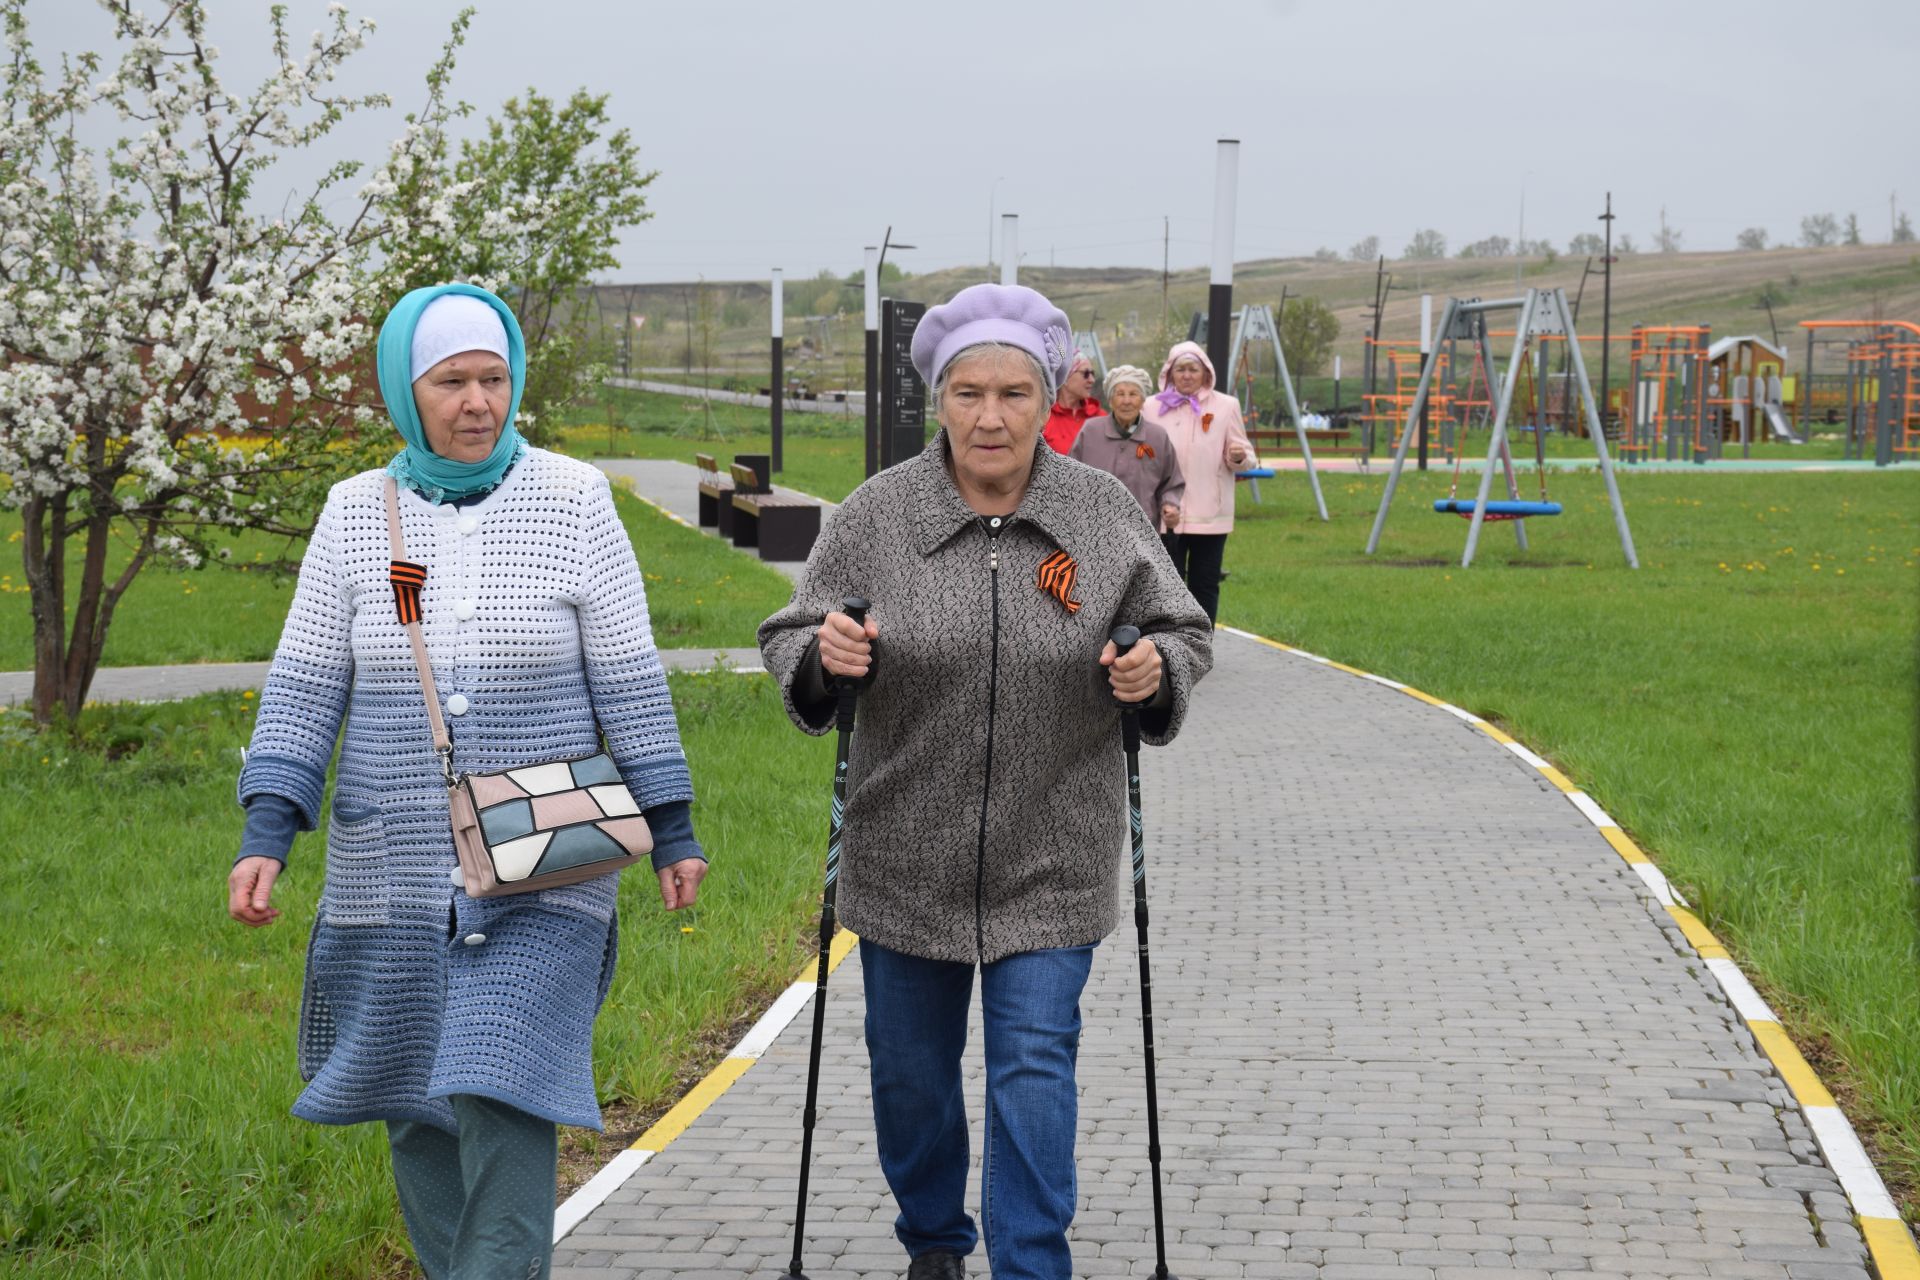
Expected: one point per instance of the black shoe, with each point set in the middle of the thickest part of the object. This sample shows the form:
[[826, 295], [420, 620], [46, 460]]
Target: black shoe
[[938, 1265]]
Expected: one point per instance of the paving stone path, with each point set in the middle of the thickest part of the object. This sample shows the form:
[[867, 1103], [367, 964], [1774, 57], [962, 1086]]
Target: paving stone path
[[1415, 1019]]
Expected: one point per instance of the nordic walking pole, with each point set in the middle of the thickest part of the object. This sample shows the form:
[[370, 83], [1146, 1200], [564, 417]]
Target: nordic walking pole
[[1124, 638], [847, 695]]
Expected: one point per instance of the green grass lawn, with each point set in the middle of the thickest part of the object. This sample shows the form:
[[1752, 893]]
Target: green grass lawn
[[700, 594], [1744, 704], [147, 1061]]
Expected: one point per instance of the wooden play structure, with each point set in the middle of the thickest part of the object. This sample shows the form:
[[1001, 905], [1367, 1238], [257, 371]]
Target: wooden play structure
[[1746, 393]]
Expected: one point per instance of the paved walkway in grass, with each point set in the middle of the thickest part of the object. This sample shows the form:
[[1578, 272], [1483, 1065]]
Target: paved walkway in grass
[[163, 684], [1416, 1019], [851, 403], [675, 486]]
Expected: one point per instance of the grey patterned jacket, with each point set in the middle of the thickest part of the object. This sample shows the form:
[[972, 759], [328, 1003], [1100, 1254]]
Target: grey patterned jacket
[[987, 807]]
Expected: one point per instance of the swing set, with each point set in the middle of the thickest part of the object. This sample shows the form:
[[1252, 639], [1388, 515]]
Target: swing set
[[1544, 317]]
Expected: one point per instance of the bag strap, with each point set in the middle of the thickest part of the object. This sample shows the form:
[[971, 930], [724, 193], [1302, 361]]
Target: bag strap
[[407, 578]]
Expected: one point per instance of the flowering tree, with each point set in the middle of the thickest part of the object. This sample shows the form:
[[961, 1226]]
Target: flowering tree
[[175, 365], [567, 164]]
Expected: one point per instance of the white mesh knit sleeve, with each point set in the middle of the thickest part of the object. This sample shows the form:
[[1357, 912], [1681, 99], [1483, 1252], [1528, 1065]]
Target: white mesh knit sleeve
[[307, 686]]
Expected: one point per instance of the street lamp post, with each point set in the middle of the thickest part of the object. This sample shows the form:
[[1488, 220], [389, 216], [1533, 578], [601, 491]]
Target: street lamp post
[[1226, 182], [777, 401]]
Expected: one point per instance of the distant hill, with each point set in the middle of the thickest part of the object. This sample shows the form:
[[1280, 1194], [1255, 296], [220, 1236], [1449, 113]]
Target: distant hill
[[1724, 290]]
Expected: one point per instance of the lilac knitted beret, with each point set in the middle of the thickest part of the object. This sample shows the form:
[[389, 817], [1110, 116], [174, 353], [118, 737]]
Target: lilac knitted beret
[[1013, 314]]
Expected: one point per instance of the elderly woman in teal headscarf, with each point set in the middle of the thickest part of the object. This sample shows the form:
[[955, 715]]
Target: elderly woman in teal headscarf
[[463, 1024]]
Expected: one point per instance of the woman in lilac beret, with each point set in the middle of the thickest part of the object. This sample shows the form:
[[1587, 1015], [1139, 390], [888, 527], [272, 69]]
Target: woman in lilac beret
[[985, 816]]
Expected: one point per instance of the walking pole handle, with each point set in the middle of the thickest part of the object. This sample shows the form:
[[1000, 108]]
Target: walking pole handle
[[1124, 638], [848, 688]]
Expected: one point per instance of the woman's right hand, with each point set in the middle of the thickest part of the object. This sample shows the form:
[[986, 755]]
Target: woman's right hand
[[249, 890], [846, 647]]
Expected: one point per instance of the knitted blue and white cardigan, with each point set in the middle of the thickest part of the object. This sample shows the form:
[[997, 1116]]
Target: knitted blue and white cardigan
[[535, 618]]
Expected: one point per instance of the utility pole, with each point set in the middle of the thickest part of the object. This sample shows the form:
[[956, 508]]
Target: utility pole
[[1606, 314], [1382, 283], [1166, 224]]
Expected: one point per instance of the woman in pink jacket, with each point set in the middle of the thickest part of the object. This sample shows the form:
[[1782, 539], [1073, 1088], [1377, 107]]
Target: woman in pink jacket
[[1211, 442]]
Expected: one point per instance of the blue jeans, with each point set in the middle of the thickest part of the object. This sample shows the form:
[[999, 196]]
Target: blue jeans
[[916, 1032]]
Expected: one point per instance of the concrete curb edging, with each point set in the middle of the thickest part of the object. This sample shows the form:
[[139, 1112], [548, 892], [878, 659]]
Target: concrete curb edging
[[594, 1192], [1890, 1245]]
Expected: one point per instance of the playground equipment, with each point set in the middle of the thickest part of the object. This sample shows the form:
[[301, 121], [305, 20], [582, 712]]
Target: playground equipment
[[1087, 343], [1255, 334], [1881, 387], [1543, 314], [1668, 394], [1386, 411], [1745, 392]]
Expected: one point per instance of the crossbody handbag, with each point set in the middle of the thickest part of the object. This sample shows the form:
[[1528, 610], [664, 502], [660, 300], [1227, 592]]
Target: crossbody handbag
[[538, 826]]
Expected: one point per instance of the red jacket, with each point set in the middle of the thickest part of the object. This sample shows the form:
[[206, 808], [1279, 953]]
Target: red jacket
[[1063, 425]]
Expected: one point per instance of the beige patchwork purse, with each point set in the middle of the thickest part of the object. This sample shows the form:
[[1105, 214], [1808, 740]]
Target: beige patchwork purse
[[538, 826]]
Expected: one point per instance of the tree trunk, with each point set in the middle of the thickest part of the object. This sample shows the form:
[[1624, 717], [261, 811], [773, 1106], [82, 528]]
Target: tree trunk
[[44, 553], [89, 632]]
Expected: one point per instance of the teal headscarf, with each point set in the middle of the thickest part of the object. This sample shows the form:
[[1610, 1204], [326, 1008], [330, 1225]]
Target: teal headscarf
[[417, 466]]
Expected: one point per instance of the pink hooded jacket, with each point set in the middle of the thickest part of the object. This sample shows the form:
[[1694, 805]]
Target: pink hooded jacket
[[1201, 442]]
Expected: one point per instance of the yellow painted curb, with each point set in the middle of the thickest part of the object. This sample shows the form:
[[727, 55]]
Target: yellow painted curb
[[688, 1109], [844, 940], [1699, 935], [1792, 1067], [1894, 1255], [1558, 778], [1494, 733], [1624, 845]]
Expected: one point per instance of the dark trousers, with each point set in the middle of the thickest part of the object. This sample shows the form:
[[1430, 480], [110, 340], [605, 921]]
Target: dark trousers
[[1196, 558], [478, 1205]]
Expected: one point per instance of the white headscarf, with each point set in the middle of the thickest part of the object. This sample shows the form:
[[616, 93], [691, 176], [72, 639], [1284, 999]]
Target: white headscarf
[[451, 324]]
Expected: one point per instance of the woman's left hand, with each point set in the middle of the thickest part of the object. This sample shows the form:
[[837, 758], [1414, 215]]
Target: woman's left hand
[[1136, 676], [680, 883], [1237, 455]]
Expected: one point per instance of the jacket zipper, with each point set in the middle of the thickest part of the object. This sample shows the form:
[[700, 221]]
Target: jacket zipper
[[986, 789]]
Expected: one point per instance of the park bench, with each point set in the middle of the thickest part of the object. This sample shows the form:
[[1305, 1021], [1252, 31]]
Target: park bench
[[781, 528], [716, 495], [1326, 442]]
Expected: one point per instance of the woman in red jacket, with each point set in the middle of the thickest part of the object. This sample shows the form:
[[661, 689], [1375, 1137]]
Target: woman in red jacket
[[1072, 407]]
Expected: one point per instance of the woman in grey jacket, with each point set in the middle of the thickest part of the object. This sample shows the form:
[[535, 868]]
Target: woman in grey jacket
[[984, 824]]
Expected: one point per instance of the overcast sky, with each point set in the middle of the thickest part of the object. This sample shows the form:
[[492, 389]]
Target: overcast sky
[[792, 134]]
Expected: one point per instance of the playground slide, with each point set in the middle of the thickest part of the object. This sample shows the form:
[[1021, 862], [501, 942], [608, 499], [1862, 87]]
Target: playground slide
[[1782, 428]]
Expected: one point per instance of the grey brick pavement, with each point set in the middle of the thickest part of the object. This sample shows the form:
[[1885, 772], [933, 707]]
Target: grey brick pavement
[[1415, 1019]]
